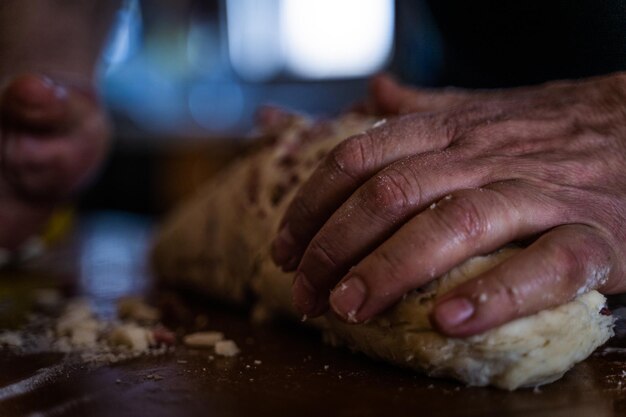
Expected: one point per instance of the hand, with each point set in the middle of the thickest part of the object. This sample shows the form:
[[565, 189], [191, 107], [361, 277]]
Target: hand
[[52, 139], [391, 209]]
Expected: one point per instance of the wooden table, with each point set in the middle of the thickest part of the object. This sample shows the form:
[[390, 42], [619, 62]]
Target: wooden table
[[297, 374]]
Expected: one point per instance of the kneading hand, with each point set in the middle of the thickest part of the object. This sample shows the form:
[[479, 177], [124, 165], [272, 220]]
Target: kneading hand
[[459, 174], [52, 138]]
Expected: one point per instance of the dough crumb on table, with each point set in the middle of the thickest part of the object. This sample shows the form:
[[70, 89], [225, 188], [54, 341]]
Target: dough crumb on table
[[134, 308], [226, 348], [203, 339], [79, 332]]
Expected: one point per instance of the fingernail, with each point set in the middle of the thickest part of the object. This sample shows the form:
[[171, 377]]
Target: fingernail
[[304, 294], [453, 312], [348, 298], [283, 250], [60, 91]]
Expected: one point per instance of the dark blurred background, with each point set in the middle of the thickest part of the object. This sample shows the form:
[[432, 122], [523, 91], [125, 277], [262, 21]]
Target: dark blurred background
[[183, 78]]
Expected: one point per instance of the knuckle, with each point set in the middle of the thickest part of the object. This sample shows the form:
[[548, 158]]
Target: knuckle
[[562, 260], [323, 254], [352, 157], [300, 209], [508, 292], [391, 267], [391, 195], [462, 217]]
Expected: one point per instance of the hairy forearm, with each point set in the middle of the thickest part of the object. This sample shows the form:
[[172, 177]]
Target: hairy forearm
[[61, 38]]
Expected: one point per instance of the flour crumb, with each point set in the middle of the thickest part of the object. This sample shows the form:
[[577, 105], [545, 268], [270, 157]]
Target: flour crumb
[[379, 123], [226, 348], [352, 316], [133, 308], [203, 339], [137, 338]]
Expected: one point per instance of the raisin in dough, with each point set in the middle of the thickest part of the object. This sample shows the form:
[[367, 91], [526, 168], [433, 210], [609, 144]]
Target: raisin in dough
[[218, 244]]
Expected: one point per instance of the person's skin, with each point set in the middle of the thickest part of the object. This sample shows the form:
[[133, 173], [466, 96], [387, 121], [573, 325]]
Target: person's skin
[[462, 173], [53, 130]]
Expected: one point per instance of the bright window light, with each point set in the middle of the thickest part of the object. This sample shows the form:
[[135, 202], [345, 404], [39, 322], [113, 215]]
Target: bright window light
[[336, 38], [254, 38], [309, 38]]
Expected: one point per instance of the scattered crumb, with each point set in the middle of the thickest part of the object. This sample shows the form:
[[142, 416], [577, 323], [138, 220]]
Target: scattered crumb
[[131, 335], [154, 377], [304, 318], [326, 367], [133, 308], [118, 381], [352, 316], [203, 339], [379, 123], [182, 362], [257, 362], [226, 348], [409, 358], [79, 332], [79, 324]]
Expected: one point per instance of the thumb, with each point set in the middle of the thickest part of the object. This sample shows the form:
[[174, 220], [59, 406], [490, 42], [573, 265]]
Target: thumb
[[35, 102]]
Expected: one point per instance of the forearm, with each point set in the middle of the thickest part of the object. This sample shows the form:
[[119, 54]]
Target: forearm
[[60, 38]]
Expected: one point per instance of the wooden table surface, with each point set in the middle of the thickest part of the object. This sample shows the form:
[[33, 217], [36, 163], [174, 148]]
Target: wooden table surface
[[297, 375]]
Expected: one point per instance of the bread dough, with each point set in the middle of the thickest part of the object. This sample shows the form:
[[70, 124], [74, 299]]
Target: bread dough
[[531, 351], [218, 244]]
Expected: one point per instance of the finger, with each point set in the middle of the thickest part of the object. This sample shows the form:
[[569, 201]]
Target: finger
[[34, 102], [348, 166], [390, 97], [468, 223], [374, 211], [565, 262], [273, 118], [50, 154], [43, 169]]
